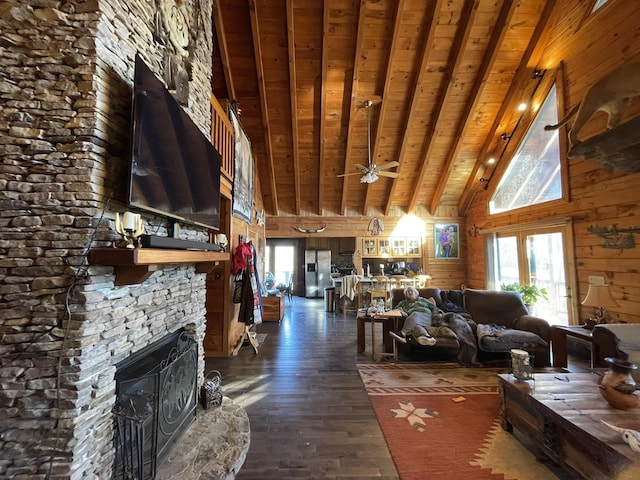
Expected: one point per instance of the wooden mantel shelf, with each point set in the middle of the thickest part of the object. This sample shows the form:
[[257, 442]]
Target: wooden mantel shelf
[[135, 265]]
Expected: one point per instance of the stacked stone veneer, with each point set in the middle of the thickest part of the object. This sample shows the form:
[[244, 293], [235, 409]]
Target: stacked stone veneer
[[66, 70]]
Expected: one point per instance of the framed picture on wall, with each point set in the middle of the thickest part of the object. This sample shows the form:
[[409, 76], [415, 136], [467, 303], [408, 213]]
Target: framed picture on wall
[[447, 240], [243, 175]]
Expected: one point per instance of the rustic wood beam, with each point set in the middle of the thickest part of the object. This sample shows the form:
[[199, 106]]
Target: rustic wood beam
[[387, 85], [323, 106], [493, 49], [257, 48], [222, 46], [467, 18], [415, 95], [353, 107], [531, 56], [294, 104]]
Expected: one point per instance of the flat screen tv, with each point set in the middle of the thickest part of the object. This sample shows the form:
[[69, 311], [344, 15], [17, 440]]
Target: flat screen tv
[[175, 170]]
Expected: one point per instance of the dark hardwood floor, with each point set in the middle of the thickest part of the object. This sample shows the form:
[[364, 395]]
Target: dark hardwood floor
[[310, 415]]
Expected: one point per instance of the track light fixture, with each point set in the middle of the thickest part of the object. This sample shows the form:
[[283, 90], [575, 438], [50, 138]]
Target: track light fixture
[[538, 73], [504, 136]]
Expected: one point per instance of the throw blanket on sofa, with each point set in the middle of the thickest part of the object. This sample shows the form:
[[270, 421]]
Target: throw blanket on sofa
[[498, 338], [467, 354]]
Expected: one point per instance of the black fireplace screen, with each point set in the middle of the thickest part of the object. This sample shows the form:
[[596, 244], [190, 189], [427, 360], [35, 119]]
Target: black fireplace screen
[[155, 403]]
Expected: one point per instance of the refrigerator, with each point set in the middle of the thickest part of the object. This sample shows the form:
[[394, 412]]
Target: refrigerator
[[317, 272]]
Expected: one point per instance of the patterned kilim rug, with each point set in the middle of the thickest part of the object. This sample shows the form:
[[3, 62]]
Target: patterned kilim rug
[[441, 421]]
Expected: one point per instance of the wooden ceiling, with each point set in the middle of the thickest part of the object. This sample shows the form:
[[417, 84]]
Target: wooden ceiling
[[442, 76]]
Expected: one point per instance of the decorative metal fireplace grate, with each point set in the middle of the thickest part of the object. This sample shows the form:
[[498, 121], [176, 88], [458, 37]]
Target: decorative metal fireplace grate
[[155, 403]]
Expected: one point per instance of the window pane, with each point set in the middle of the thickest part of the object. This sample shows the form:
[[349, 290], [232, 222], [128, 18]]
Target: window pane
[[507, 260], [533, 175]]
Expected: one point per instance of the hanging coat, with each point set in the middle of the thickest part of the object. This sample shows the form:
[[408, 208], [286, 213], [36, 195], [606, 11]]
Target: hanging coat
[[247, 286]]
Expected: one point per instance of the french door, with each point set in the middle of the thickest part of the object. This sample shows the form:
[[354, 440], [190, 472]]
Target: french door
[[538, 256]]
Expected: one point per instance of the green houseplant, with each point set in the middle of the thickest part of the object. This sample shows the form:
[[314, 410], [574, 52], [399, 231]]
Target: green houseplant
[[530, 293]]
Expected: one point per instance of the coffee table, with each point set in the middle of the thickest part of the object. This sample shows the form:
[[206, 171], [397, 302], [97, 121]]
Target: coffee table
[[561, 413]]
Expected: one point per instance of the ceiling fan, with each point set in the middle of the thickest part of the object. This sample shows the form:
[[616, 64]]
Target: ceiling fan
[[371, 172]]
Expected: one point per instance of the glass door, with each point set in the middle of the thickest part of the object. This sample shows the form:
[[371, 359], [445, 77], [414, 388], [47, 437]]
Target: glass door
[[535, 257]]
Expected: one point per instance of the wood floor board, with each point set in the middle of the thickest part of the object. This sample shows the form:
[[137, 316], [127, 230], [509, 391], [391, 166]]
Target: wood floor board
[[310, 415]]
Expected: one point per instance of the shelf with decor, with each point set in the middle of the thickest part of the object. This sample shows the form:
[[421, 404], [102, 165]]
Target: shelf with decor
[[135, 265]]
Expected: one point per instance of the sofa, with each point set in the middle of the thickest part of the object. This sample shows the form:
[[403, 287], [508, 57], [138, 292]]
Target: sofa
[[499, 321]]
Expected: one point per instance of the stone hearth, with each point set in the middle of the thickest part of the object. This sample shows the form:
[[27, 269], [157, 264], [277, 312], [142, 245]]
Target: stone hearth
[[213, 448]]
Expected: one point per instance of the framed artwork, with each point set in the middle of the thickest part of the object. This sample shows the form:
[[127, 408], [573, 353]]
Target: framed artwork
[[243, 175], [447, 240]]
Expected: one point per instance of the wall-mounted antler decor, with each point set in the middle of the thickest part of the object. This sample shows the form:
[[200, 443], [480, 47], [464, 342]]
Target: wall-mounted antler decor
[[311, 230], [614, 237]]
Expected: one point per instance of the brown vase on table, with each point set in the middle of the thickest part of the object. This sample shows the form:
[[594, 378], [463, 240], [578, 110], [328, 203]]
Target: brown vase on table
[[617, 386]]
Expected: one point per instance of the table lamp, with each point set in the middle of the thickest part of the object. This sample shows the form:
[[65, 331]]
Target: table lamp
[[599, 297]]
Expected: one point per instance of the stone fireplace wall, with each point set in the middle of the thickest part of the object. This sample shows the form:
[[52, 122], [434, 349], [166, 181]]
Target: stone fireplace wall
[[66, 70]]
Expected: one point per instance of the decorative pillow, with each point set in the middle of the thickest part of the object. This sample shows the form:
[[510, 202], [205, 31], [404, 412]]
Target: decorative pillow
[[432, 301], [498, 338]]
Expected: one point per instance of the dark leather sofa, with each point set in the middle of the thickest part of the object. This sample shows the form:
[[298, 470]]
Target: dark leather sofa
[[503, 312]]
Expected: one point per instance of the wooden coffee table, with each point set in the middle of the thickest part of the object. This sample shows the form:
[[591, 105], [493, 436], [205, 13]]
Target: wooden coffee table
[[561, 413]]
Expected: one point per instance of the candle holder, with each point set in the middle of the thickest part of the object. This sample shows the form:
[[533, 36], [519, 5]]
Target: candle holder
[[130, 228]]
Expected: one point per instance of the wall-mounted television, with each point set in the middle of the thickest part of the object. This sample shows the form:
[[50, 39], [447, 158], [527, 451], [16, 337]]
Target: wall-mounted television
[[175, 170]]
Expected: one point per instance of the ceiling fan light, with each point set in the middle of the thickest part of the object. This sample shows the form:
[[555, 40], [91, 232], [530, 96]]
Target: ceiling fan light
[[369, 177]]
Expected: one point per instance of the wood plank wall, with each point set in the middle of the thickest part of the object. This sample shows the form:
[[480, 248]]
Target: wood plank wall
[[587, 47], [446, 273]]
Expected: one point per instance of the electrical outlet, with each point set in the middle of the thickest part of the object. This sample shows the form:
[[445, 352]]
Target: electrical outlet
[[596, 280]]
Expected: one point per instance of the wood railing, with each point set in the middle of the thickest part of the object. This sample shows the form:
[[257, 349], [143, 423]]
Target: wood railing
[[222, 136]]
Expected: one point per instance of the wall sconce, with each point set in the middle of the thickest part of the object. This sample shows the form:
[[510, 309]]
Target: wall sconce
[[131, 228], [599, 297], [221, 240]]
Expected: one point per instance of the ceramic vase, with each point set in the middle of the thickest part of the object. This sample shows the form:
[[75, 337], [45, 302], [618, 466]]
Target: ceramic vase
[[617, 386]]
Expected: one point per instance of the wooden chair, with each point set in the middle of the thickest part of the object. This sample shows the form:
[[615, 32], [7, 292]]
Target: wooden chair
[[288, 290], [379, 289]]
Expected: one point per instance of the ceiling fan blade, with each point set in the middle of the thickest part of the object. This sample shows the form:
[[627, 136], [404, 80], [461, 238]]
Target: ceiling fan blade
[[362, 168], [347, 174], [387, 165], [388, 174]]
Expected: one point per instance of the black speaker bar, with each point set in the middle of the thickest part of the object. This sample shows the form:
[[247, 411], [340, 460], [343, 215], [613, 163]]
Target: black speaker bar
[[155, 241]]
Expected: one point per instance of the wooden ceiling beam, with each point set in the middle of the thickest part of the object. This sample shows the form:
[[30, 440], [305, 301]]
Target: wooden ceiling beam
[[353, 107], [224, 50], [493, 48], [467, 18], [293, 91], [415, 95], [387, 85], [323, 107], [531, 55], [257, 48]]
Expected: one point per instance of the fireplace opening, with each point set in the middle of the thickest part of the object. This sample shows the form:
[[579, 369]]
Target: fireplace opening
[[155, 403]]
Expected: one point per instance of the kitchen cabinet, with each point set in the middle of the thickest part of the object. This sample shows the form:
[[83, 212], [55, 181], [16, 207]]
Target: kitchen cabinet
[[391, 247]]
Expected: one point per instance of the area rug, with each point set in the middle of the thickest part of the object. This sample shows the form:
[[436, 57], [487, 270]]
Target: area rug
[[441, 421]]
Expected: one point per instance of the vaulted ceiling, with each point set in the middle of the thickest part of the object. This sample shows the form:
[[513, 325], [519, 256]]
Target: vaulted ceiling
[[442, 78]]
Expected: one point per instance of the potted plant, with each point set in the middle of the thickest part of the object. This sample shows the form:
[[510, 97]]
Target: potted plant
[[530, 293]]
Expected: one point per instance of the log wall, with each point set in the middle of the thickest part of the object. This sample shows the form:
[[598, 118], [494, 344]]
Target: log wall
[[585, 48]]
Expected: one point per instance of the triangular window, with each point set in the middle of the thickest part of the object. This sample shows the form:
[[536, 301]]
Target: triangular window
[[534, 173]]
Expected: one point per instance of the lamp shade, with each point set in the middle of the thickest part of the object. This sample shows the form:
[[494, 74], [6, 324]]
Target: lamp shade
[[599, 296]]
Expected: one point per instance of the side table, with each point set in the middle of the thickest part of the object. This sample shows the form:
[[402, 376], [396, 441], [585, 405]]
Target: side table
[[559, 334], [389, 323]]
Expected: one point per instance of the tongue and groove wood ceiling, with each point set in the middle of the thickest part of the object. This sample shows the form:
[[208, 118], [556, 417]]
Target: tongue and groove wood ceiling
[[441, 75]]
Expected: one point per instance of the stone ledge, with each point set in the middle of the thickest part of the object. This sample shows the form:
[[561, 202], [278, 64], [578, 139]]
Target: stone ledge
[[214, 447]]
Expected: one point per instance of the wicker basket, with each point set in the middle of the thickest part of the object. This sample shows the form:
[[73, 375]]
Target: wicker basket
[[211, 390]]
